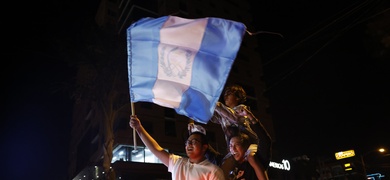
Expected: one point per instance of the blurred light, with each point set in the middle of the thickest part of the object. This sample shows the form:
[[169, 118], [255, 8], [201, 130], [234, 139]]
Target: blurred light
[[344, 154], [348, 169], [375, 175]]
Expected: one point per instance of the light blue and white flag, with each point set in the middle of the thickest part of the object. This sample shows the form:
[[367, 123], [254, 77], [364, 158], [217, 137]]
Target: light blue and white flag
[[182, 63]]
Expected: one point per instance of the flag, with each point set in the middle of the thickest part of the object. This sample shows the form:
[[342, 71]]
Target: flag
[[182, 63]]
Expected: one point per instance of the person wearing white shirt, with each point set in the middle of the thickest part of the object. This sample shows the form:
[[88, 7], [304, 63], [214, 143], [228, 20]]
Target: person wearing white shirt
[[194, 167]]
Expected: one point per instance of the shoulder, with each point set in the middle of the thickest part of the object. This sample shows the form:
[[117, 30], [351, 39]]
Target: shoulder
[[209, 164], [176, 158], [241, 106], [217, 172]]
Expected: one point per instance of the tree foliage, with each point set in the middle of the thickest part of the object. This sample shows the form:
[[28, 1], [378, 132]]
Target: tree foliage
[[101, 84]]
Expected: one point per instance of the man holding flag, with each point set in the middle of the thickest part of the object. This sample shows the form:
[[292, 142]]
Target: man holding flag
[[195, 167], [182, 64]]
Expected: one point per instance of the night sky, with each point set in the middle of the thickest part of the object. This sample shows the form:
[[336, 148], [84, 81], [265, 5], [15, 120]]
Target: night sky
[[327, 93]]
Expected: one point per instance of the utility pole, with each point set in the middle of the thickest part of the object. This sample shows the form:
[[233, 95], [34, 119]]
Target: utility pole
[[364, 166]]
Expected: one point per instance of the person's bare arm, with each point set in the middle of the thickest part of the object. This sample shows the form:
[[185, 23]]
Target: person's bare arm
[[259, 169], [243, 110], [149, 141]]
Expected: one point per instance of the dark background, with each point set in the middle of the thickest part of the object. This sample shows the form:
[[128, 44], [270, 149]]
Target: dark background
[[328, 91], [327, 85]]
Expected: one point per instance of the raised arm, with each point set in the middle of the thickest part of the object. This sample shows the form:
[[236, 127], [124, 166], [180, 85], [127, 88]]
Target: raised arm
[[259, 169], [242, 110], [148, 140]]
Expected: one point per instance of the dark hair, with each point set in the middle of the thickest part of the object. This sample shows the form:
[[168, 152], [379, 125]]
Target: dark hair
[[237, 91], [203, 137], [244, 138], [234, 131]]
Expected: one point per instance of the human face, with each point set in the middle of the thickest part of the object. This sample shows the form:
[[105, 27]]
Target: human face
[[230, 99], [237, 149], [194, 147]]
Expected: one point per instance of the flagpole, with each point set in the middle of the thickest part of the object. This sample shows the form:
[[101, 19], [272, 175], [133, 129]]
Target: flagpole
[[134, 134]]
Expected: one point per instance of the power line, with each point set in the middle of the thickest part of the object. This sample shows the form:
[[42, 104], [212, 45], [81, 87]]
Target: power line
[[337, 34]]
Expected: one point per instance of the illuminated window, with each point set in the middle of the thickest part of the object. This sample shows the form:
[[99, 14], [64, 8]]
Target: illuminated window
[[347, 167], [127, 153]]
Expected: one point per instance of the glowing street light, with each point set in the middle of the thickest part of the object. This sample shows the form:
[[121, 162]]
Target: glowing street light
[[380, 150]]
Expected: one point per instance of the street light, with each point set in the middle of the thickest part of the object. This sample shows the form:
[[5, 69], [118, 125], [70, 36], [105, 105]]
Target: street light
[[380, 150]]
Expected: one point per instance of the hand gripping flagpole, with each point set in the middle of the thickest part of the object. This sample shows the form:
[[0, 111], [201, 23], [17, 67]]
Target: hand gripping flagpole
[[134, 134]]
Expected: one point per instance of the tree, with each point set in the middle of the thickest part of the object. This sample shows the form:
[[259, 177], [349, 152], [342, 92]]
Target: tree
[[101, 84], [378, 29]]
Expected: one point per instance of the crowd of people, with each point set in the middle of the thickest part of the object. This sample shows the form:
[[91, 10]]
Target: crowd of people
[[249, 143]]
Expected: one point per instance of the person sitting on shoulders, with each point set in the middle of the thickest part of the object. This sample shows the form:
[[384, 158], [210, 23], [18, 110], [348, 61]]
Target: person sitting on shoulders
[[235, 114]]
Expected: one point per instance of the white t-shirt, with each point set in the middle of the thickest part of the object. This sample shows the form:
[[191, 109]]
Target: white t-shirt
[[182, 169]]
